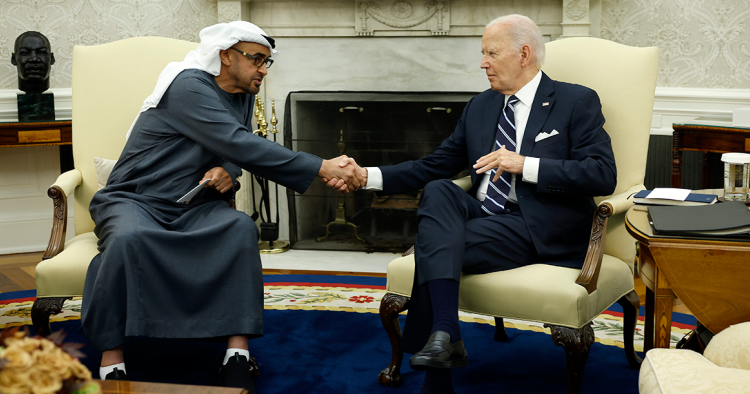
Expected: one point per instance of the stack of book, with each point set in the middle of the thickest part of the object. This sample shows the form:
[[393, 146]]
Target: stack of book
[[673, 196]]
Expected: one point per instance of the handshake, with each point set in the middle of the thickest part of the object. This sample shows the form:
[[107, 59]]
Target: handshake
[[343, 174]]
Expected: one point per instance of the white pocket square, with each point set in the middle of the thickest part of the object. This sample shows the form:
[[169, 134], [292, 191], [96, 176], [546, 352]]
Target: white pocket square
[[544, 135]]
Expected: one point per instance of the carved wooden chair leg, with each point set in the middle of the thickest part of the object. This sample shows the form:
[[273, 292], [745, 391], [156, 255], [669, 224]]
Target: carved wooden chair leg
[[500, 334], [42, 309], [577, 343], [631, 307], [390, 307]]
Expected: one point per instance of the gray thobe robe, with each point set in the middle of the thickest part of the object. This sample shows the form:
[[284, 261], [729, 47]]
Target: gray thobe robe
[[172, 270]]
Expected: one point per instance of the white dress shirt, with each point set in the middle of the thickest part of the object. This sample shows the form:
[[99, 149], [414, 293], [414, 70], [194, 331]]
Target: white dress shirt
[[531, 164]]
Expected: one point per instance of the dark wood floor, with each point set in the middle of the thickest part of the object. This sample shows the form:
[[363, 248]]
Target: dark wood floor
[[17, 273]]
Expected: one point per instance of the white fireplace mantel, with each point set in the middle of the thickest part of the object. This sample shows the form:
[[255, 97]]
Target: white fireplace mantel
[[405, 18]]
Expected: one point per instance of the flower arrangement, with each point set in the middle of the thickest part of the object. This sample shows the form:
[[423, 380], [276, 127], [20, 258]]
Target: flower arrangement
[[42, 365]]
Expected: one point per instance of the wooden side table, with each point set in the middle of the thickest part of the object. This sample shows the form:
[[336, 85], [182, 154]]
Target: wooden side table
[[14, 134], [709, 275], [705, 138], [126, 387]]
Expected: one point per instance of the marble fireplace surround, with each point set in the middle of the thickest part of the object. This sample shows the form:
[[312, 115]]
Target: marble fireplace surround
[[345, 18], [387, 45]]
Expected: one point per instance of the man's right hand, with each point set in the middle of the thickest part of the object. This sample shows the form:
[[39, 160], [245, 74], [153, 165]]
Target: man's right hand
[[343, 174]]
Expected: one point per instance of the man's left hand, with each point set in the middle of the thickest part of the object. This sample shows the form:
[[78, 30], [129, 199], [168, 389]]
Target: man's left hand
[[220, 179], [502, 159]]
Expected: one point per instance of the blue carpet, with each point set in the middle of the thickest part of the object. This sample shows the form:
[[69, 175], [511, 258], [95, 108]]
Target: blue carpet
[[342, 352]]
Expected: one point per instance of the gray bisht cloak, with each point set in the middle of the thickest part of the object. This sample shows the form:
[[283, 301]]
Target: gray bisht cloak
[[172, 270]]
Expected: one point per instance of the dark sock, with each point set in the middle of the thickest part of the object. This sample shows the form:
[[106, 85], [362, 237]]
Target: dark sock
[[437, 381], [444, 298]]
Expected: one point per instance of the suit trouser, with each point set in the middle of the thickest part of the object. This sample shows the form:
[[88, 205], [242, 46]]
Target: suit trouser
[[455, 236]]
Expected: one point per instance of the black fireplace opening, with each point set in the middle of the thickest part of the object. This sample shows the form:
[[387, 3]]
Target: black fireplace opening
[[376, 129]]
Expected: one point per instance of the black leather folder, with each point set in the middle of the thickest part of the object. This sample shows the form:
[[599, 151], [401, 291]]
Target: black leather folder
[[729, 218]]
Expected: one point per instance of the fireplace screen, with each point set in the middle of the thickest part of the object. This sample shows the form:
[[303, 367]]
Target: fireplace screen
[[376, 129]]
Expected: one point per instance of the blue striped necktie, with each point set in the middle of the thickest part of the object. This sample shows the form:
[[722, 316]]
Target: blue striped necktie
[[497, 192]]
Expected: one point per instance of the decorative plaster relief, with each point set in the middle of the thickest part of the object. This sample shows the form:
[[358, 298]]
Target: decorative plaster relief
[[576, 18], [576, 9], [229, 11], [404, 17]]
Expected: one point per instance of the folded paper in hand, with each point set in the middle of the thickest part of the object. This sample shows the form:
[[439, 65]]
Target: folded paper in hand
[[189, 195], [728, 219]]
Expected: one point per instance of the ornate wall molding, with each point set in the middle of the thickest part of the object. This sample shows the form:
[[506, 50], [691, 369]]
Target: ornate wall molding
[[575, 21], [402, 16], [229, 11], [399, 18], [695, 105], [576, 9]]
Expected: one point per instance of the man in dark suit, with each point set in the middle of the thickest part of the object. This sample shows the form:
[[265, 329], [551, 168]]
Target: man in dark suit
[[540, 154]]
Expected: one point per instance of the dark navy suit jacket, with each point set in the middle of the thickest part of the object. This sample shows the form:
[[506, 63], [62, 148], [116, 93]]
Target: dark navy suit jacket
[[575, 165]]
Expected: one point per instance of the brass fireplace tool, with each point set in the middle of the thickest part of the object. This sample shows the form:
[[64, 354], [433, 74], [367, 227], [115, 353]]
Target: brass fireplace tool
[[340, 210], [260, 117], [269, 231]]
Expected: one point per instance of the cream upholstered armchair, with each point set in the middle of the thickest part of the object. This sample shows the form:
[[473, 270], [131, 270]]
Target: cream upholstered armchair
[[110, 82], [724, 366], [566, 300]]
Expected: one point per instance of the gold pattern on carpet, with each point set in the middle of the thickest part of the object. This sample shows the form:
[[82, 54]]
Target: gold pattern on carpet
[[607, 328]]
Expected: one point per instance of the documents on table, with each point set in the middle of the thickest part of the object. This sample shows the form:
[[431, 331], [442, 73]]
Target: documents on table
[[189, 195], [673, 196], [729, 218]]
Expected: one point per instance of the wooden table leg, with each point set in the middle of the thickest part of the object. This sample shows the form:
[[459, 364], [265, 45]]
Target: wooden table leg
[[663, 322], [664, 300], [648, 323]]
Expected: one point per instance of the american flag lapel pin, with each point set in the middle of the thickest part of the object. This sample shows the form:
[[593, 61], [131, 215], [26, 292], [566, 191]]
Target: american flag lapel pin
[[546, 103]]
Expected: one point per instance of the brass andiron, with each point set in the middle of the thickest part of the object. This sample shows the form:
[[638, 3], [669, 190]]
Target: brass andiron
[[340, 210], [260, 117], [269, 231], [274, 119]]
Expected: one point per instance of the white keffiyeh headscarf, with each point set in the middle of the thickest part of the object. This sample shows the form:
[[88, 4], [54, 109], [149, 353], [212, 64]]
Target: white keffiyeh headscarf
[[206, 57]]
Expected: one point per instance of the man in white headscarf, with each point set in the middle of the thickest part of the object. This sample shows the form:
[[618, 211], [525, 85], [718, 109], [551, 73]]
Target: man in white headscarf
[[175, 270]]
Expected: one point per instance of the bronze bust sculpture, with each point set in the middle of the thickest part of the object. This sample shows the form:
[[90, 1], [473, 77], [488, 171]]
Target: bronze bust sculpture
[[33, 57]]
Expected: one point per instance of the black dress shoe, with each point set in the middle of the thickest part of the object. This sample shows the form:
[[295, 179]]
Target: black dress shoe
[[116, 374], [236, 373], [439, 352]]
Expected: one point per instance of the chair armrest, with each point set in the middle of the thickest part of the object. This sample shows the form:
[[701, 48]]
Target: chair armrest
[[68, 181], [613, 205], [620, 203], [592, 264], [64, 186]]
